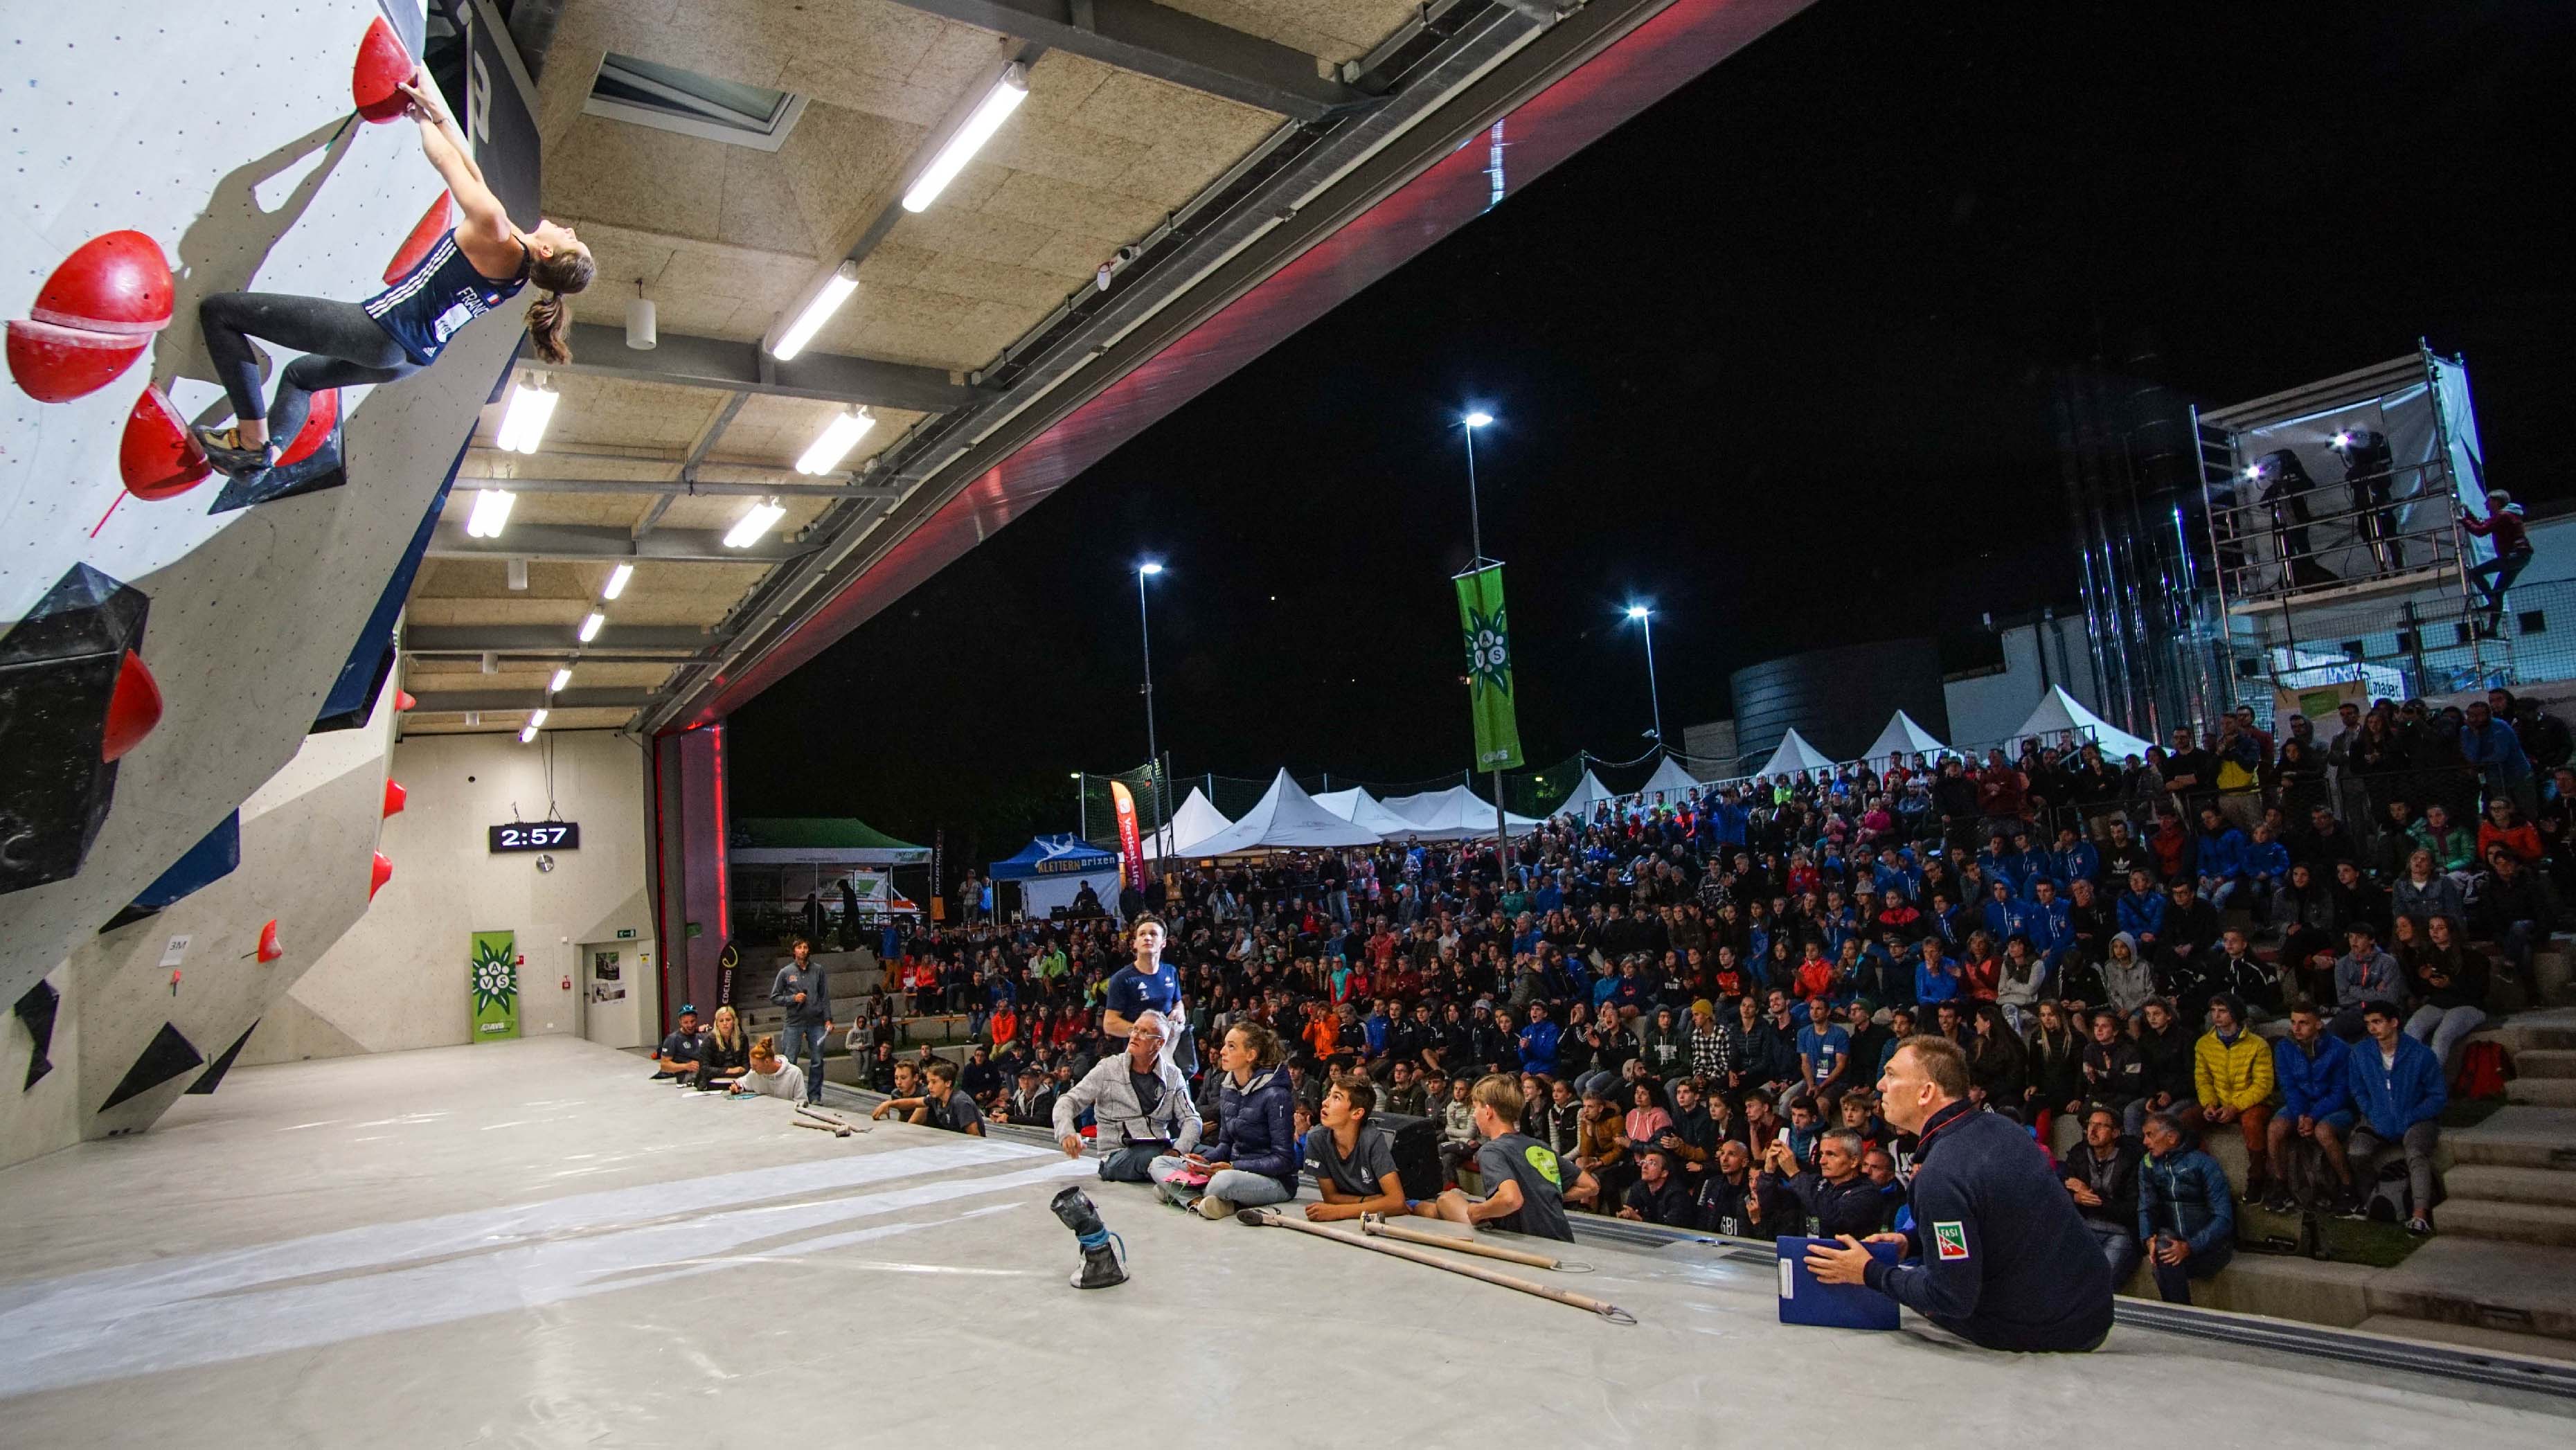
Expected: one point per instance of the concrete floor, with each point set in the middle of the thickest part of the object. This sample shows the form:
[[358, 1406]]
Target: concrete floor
[[525, 1243]]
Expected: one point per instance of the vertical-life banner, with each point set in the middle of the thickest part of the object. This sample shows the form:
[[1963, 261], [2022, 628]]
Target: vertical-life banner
[[1131, 842], [1489, 668], [496, 985]]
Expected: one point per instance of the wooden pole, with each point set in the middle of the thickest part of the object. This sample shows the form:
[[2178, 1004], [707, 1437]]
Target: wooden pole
[[1377, 1227], [1272, 1218]]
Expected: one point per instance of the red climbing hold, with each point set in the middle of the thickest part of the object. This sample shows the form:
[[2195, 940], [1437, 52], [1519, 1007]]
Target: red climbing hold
[[158, 457], [424, 235], [375, 82], [269, 950], [94, 317], [316, 430], [405, 699], [132, 710], [383, 872], [395, 795]]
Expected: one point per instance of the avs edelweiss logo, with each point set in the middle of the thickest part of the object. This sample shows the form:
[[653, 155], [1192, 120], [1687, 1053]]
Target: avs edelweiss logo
[[1489, 650], [1950, 1240]]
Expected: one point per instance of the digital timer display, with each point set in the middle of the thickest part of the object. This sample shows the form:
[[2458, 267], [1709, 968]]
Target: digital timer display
[[537, 836]]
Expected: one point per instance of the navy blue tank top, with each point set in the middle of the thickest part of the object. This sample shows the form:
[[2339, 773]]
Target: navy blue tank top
[[437, 297]]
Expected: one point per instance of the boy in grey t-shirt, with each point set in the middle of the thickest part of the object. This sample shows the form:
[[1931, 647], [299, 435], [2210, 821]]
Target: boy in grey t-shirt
[[1353, 1164], [1524, 1186]]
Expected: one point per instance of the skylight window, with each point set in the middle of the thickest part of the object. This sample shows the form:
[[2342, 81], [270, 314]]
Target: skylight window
[[672, 99]]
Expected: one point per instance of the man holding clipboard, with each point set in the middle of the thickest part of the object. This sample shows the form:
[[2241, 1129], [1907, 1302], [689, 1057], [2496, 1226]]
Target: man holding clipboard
[[2003, 1259]]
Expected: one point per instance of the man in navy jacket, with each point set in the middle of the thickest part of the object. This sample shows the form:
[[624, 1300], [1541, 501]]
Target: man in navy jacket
[[2398, 1093]]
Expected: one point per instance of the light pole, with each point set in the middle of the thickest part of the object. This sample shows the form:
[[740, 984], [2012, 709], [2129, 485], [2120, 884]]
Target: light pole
[[1475, 419], [1655, 699], [1153, 748], [1081, 808]]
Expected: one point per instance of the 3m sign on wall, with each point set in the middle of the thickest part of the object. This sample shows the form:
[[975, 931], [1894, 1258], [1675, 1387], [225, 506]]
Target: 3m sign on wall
[[493, 979]]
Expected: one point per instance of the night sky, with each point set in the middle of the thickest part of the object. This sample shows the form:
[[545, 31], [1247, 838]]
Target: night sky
[[1775, 356]]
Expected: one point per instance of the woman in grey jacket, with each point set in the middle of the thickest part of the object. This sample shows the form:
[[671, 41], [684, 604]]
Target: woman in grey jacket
[[1254, 1156]]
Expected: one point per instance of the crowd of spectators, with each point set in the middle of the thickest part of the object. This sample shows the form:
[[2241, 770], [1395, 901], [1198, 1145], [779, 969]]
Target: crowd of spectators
[[2289, 938]]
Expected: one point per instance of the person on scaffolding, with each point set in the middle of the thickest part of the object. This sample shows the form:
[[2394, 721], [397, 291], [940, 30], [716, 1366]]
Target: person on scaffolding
[[2503, 527]]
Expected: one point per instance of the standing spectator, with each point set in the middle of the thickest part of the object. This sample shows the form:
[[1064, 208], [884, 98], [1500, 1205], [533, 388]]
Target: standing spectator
[[2232, 1077], [2186, 1210], [2102, 1176], [804, 988], [2398, 1094], [2495, 752]]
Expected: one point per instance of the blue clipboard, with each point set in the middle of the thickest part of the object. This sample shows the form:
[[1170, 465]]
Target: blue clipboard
[[1805, 1299]]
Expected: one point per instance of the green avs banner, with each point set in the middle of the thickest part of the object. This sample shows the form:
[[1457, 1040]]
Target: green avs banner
[[1489, 668], [495, 985]]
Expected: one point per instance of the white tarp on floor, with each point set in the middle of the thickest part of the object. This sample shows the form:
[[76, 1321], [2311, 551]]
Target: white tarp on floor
[[1286, 819], [1794, 755], [1902, 737], [1362, 809], [2060, 716]]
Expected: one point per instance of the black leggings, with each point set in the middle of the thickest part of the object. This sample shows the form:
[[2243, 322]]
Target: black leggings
[[342, 346]]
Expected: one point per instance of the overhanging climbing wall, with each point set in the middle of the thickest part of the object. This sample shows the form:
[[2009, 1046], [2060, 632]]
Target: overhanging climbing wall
[[168, 639]]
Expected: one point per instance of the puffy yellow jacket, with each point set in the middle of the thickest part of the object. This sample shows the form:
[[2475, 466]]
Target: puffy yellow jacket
[[2232, 1074]]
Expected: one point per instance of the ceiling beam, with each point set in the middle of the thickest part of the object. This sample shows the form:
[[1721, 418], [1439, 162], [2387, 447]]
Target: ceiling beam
[[713, 362], [475, 639], [577, 543], [1169, 45], [451, 702], [734, 487]]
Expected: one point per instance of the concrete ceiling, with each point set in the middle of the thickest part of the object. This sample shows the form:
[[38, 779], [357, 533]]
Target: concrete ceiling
[[725, 238]]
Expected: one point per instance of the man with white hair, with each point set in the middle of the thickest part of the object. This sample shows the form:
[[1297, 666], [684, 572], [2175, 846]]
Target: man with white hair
[[1140, 1101]]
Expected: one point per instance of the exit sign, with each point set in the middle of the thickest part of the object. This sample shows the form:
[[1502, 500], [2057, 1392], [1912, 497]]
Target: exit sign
[[626, 933]]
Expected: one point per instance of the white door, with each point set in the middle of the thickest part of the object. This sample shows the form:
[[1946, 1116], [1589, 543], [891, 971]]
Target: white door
[[610, 978]]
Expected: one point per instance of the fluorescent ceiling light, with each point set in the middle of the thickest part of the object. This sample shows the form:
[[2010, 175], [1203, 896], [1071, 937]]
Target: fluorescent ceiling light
[[755, 522], [523, 426], [996, 107], [617, 578], [491, 513], [839, 436], [562, 678], [527, 733], [836, 290], [590, 626], [536, 718]]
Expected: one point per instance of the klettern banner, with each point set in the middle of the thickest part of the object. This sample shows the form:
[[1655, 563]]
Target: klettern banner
[[1489, 668], [495, 984], [1131, 843]]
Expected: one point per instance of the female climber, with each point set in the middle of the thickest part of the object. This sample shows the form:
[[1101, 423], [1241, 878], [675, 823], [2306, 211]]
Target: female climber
[[475, 268]]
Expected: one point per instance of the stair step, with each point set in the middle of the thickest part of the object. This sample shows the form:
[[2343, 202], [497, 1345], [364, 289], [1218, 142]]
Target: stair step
[[2552, 1028], [2518, 1136], [2545, 1062], [2485, 1283], [2556, 1187], [2544, 1092], [2469, 1336], [2523, 1223]]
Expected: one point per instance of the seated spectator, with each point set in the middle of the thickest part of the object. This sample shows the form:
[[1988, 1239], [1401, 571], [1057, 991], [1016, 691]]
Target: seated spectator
[[2235, 970], [2128, 979], [1824, 1056], [2115, 1077], [1998, 1070], [2053, 1053], [1561, 1121], [1736, 1201], [677, 1061], [1252, 1159], [2450, 982], [2267, 866], [1659, 1196], [1833, 1195], [2362, 975], [2223, 858], [2232, 1078], [1351, 1161], [2165, 1047], [2186, 1210], [2191, 929], [2398, 1096], [1936, 977], [1032, 1103], [1457, 1125], [2023, 978], [2454, 848], [944, 1103], [1601, 1163], [2316, 1110], [1404, 1090], [1140, 1102], [2101, 1173], [2303, 913], [724, 1054], [2514, 905], [1690, 1139], [981, 1079], [770, 1075], [2424, 892], [1522, 1181]]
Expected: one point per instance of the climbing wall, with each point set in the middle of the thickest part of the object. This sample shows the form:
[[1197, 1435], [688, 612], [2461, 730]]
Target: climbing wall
[[168, 639]]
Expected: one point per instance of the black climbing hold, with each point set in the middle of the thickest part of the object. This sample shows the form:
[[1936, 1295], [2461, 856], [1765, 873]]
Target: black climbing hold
[[168, 1055], [213, 1076], [36, 1008]]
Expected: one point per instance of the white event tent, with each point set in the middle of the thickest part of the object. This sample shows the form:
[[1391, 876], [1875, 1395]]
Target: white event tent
[[1670, 783], [1360, 808], [2059, 715], [1455, 814], [1794, 755], [1902, 737], [1588, 793], [1285, 819], [1195, 818]]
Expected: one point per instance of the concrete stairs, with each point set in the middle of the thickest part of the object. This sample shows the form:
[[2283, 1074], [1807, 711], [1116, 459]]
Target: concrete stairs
[[2513, 1177]]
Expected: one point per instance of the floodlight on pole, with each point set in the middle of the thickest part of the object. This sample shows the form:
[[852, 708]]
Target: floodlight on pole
[[1646, 617], [1472, 420], [1153, 745]]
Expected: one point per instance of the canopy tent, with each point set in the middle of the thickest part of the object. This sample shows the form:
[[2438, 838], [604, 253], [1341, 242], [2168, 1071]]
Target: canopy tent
[[817, 840], [1052, 870], [1588, 793], [2060, 715], [1195, 818], [1285, 819], [1455, 814], [1902, 737], [1794, 755], [1670, 785], [1362, 809]]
